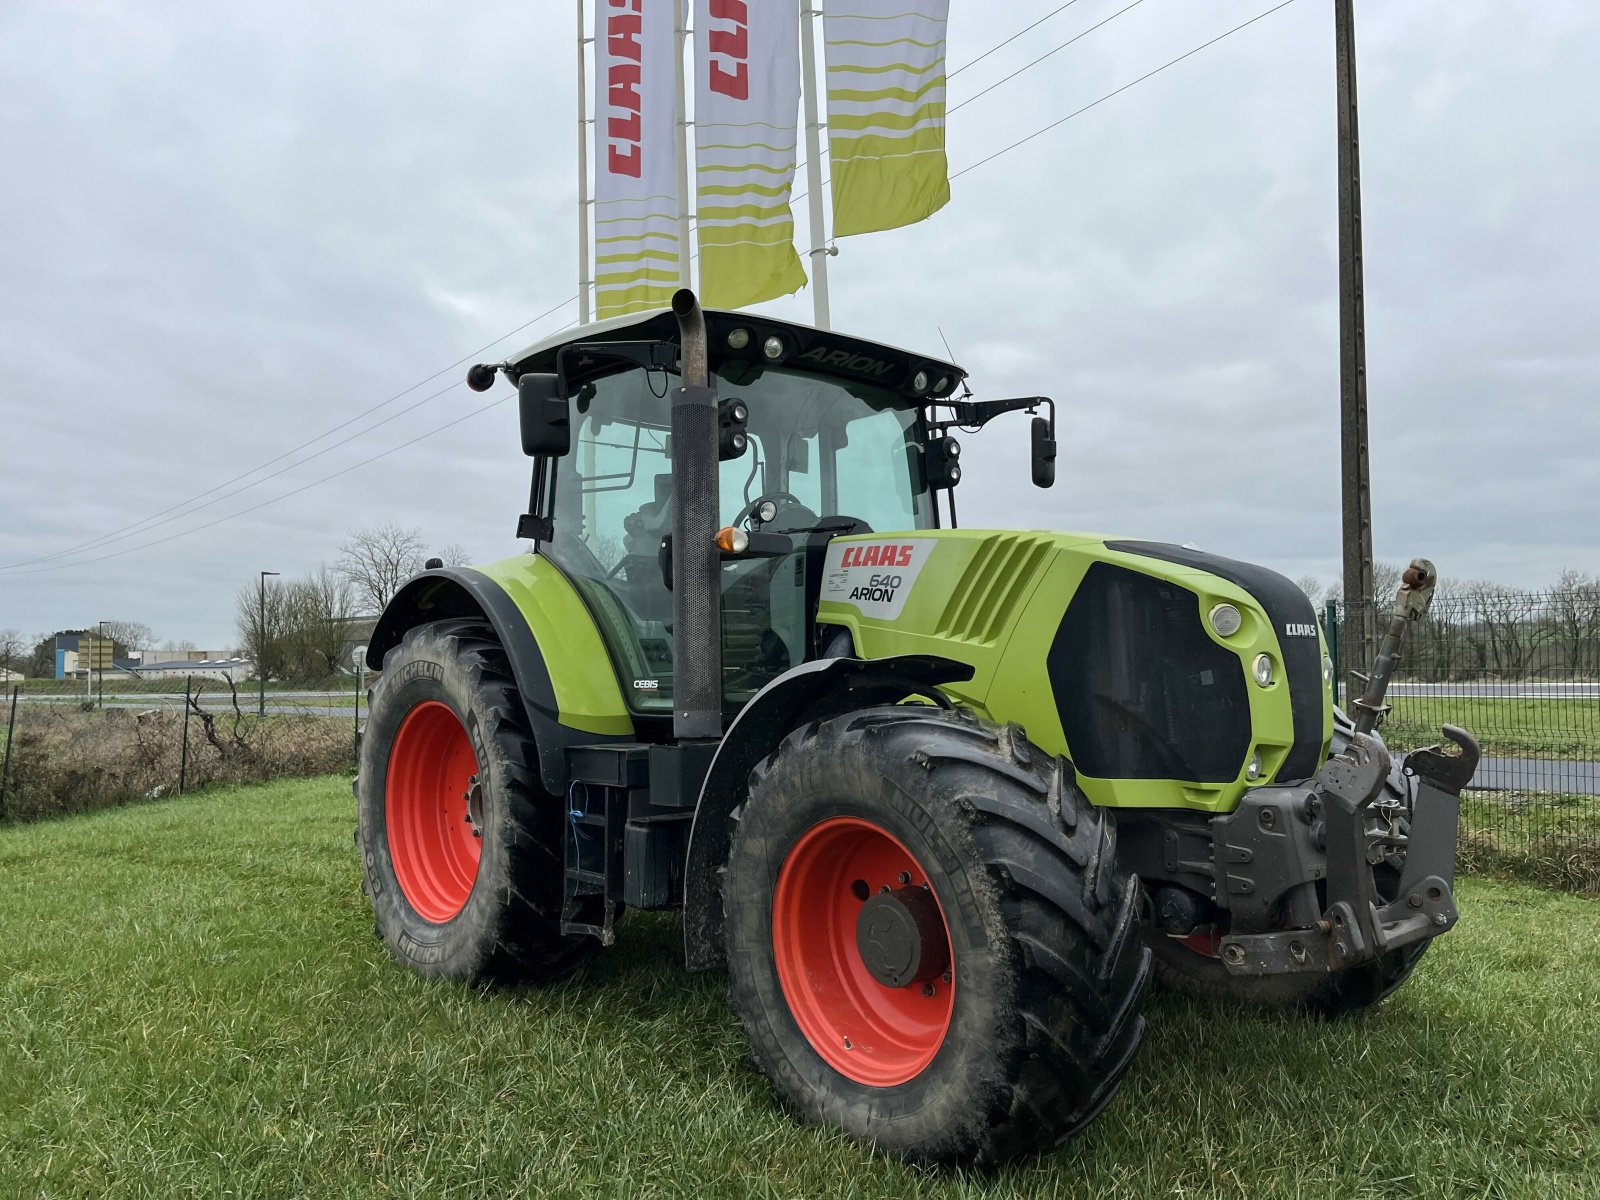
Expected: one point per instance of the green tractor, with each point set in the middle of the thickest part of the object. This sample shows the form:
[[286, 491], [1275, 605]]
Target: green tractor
[[939, 800]]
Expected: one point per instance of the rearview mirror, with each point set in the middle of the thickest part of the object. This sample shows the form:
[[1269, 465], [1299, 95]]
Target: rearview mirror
[[542, 411], [1044, 454]]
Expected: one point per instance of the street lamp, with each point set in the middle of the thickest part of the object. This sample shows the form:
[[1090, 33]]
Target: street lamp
[[100, 662], [261, 649]]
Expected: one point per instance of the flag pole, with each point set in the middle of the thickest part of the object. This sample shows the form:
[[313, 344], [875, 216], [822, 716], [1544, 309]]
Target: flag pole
[[818, 254], [685, 249], [583, 176]]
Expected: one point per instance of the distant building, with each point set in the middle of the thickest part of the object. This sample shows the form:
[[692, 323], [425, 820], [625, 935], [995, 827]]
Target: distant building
[[225, 669]]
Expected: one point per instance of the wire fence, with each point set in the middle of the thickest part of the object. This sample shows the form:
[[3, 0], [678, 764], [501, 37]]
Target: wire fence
[[1520, 671]]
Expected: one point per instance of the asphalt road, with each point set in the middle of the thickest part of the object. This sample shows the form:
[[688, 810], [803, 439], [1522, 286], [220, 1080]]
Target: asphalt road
[[1519, 691], [1537, 775]]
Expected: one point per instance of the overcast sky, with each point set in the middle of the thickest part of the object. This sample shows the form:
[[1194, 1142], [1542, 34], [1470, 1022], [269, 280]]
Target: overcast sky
[[226, 229]]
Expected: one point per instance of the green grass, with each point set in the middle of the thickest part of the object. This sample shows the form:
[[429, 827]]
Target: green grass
[[1549, 838], [192, 1003], [1505, 725]]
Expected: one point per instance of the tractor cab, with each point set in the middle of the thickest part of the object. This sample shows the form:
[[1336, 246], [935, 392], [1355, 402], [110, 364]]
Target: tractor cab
[[817, 435]]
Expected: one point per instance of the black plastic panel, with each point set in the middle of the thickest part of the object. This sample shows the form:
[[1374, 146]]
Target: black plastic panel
[[1143, 691], [1288, 608]]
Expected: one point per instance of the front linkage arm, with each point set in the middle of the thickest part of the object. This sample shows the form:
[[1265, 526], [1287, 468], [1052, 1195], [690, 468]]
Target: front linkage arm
[[1357, 926]]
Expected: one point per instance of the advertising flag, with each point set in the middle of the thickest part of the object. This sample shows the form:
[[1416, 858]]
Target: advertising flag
[[746, 101], [886, 102], [635, 151]]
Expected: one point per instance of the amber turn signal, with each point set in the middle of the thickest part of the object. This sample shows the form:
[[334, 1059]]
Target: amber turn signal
[[732, 541]]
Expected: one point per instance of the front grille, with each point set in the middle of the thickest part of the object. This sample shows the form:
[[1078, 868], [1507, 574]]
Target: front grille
[[1143, 692]]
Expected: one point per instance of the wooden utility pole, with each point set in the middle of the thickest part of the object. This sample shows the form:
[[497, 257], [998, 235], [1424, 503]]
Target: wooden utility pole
[[1360, 632]]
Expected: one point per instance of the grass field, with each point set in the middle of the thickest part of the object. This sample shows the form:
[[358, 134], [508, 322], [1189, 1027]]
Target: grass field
[[192, 1003], [1509, 726]]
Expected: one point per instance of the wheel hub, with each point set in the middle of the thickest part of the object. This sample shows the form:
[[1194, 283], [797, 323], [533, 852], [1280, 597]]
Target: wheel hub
[[901, 938]]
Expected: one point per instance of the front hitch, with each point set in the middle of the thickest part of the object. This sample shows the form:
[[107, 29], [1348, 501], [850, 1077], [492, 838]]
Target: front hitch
[[1357, 926]]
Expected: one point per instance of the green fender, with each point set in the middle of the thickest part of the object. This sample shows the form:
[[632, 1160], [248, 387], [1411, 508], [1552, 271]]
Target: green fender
[[558, 659]]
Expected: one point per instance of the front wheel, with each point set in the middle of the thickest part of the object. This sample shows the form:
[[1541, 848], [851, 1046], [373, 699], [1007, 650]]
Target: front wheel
[[930, 944], [460, 844]]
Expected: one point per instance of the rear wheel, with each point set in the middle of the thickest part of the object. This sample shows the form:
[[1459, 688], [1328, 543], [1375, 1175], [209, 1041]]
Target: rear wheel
[[930, 945], [460, 844]]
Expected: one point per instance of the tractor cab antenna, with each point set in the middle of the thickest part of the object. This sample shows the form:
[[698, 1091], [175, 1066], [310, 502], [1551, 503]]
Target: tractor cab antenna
[[966, 391]]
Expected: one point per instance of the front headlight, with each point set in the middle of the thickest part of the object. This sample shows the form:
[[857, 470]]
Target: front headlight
[[1327, 669], [1262, 670], [1225, 619]]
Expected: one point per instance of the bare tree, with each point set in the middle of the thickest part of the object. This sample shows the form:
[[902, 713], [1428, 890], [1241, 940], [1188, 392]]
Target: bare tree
[[261, 626], [376, 561], [1508, 631], [1312, 588], [13, 650], [130, 635], [455, 555], [316, 633], [1576, 610]]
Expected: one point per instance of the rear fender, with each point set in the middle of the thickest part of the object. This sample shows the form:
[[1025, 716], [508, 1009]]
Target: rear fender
[[813, 691], [571, 694]]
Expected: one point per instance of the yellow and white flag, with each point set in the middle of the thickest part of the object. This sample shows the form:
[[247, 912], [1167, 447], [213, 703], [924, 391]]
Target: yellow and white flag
[[886, 89], [635, 151], [746, 99]]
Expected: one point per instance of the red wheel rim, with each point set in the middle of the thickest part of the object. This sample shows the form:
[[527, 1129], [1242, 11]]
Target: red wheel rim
[[434, 818], [867, 1031]]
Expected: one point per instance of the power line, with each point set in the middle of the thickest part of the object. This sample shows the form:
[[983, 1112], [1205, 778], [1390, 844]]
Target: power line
[[154, 522], [1042, 57], [1094, 103], [404, 445], [1012, 38], [274, 499], [183, 508]]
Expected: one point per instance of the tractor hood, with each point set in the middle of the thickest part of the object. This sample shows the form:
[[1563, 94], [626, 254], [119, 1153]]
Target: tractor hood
[[1185, 677]]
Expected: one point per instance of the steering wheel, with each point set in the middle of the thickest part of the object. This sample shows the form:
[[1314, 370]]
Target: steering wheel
[[748, 510]]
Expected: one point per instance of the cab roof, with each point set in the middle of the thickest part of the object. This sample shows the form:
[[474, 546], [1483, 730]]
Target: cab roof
[[804, 347]]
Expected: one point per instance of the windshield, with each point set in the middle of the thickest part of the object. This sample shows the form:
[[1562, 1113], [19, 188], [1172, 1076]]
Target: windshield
[[819, 449]]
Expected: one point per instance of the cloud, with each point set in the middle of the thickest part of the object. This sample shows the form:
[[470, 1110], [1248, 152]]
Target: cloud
[[229, 229]]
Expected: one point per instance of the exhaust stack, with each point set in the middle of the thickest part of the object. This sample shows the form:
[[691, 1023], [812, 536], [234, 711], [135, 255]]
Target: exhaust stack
[[696, 563]]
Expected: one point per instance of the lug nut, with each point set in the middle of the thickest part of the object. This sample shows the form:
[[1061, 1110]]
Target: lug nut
[[927, 989], [847, 1044], [904, 878], [1234, 954], [945, 977]]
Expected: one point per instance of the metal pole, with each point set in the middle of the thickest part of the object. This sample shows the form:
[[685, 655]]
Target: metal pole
[[5, 768], [1356, 493], [261, 651], [183, 760], [100, 664], [1332, 622], [583, 176], [685, 255], [356, 731], [808, 89]]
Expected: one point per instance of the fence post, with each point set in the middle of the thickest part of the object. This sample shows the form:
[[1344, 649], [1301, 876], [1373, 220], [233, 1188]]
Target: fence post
[[356, 731], [1332, 623], [183, 760], [5, 768]]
